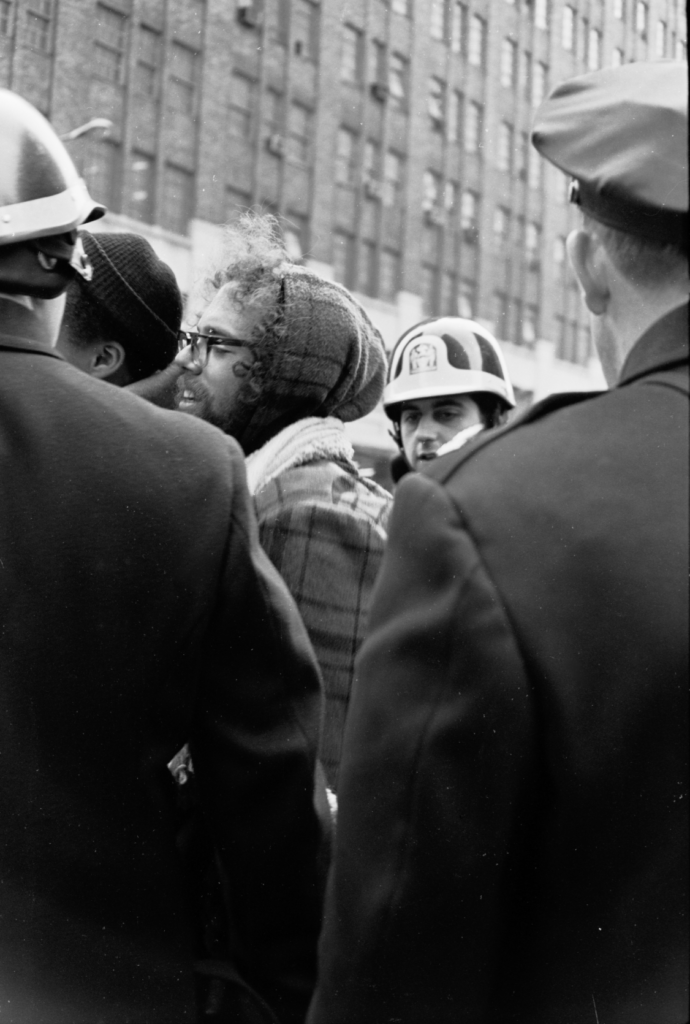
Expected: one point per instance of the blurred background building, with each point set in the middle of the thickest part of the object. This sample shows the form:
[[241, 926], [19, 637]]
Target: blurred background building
[[390, 136]]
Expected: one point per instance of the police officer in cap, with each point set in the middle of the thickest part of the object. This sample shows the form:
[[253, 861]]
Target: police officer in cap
[[512, 838], [137, 613]]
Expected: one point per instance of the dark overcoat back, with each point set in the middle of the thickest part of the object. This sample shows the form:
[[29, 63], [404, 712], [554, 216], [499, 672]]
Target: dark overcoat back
[[512, 839], [137, 612]]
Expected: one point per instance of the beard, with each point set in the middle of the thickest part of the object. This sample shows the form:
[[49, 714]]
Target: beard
[[230, 418]]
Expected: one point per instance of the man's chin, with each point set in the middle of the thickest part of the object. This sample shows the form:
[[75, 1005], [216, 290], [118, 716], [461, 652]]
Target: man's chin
[[424, 460]]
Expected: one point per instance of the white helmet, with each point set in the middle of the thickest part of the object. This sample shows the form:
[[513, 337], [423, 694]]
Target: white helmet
[[445, 356]]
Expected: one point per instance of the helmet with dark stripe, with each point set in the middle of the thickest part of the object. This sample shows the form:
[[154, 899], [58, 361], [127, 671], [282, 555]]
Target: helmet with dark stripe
[[446, 356]]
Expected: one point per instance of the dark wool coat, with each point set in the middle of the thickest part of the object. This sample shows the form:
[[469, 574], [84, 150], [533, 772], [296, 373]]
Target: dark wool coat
[[512, 839], [138, 612], [322, 525]]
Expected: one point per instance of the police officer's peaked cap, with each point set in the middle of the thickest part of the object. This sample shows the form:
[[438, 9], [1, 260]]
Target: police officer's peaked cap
[[622, 134]]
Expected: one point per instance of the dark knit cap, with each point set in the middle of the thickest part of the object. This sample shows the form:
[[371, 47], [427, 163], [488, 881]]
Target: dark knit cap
[[326, 359], [138, 291]]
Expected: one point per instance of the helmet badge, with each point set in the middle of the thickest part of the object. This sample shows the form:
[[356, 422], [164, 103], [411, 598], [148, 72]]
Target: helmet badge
[[423, 358]]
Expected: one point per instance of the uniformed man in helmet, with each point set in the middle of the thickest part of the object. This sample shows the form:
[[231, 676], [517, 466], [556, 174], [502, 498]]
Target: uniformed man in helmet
[[447, 381], [513, 831], [137, 613]]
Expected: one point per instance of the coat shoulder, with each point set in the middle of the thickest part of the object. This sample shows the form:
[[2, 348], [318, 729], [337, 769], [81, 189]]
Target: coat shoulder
[[326, 484]]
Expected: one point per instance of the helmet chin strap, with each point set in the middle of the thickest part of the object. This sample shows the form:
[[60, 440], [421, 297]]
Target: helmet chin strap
[[22, 300], [80, 262]]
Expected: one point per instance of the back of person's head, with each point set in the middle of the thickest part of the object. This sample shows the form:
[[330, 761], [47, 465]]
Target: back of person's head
[[646, 263], [316, 351], [132, 299], [622, 135]]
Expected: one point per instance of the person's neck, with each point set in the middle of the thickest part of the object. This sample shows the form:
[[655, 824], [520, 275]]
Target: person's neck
[[630, 316], [27, 317]]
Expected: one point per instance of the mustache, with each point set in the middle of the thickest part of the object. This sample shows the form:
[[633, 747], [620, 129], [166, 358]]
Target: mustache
[[189, 382]]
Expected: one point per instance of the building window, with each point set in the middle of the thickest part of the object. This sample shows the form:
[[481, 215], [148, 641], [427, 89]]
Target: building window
[[300, 128], [295, 236], [661, 38], [343, 258], [467, 299], [449, 295], [532, 241], [431, 189], [377, 73], [559, 251], [469, 216], [453, 119], [241, 110], [501, 314], [508, 60], [541, 13], [273, 111], [521, 156], [435, 96], [389, 275], [397, 79], [148, 61], [401, 7], [371, 162], [429, 288], [450, 196], [345, 157], [305, 29], [534, 167], [5, 17], [437, 22], [528, 333], [474, 115], [184, 64], [538, 84], [594, 49], [392, 178], [501, 225], [237, 202], [526, 73], [109, 48], [619, 9], [476, 41], [351, 55], [177, 200], [568, 36], [504, 155], [102, 171], [39, 24], [641, 12], [616, 58], [142, 184], [458, 30]]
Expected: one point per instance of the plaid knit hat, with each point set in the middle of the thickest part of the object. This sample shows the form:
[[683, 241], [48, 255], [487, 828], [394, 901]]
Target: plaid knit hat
[[324, 358], [139, 292]]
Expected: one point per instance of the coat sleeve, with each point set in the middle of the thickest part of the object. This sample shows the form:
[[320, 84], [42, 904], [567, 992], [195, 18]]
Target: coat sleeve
[[438, 764], [253, 747]]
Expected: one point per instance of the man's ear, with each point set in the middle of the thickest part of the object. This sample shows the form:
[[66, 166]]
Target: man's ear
[[587, 258], [107, 359]]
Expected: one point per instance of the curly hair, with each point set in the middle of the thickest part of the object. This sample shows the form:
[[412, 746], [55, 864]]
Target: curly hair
[[254, 259]]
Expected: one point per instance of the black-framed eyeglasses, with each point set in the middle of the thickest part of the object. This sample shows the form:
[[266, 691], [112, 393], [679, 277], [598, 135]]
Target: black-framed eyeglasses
[[201, 344]]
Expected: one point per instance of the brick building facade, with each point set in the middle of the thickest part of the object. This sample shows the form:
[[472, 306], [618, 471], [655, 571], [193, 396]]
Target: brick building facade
[[391, 137]]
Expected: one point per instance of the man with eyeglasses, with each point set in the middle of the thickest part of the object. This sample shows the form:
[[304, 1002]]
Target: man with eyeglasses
[[280, 360], [137, 613]]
